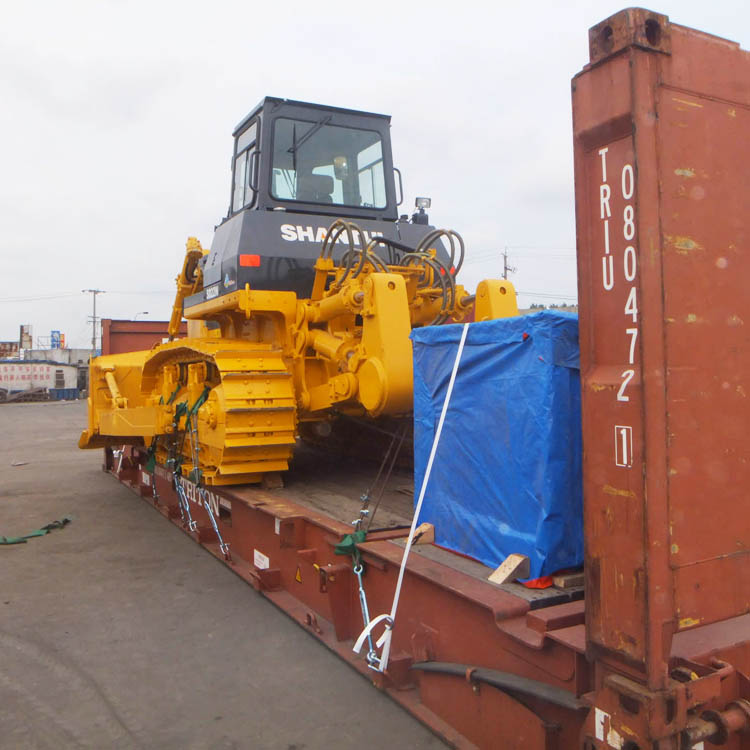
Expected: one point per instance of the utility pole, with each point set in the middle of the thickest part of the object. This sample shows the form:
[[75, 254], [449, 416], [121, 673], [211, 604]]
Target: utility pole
[[93, 293], [506, 268]]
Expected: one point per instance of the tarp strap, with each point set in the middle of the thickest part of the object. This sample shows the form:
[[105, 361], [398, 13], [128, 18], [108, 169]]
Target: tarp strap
[[384, 642]]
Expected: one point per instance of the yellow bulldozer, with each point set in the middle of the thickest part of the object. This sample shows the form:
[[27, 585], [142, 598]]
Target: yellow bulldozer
[[300, 312]]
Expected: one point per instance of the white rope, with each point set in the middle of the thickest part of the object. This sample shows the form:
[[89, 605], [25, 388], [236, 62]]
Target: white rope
[[384, 641]]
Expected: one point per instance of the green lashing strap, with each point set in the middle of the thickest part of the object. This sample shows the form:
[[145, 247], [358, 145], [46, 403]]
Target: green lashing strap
[[151, 453], [348, 545], [180, 411], [184, 410], [197, 405], [37, 532], [174, 394], [196, 474], [200, 401]]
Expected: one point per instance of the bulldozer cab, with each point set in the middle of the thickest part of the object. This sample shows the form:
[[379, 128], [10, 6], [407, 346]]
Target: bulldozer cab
[[296, 167], [308, 158]]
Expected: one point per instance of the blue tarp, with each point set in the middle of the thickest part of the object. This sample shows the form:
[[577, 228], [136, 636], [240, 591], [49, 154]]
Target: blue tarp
[[507, 474]]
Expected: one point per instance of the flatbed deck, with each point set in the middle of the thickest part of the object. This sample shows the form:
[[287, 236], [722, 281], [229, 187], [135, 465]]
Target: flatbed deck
[[282, 541], [321, 481], [454, 630]]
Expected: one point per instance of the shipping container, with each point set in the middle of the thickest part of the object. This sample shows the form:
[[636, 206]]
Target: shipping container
[[120, 336]]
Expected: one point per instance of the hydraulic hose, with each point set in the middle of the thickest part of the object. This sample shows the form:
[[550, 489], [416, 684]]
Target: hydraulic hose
[[454, 238], [507, 682], [442, 277]]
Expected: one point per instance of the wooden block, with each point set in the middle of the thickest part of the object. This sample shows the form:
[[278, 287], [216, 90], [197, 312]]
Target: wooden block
[[272, 481], [424, 534], [514, 566], [568, 580]]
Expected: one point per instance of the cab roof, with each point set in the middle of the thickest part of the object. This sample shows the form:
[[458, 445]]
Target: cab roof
[[263, 104]]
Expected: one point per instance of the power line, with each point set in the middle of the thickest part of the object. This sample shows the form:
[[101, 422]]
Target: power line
[[40, 297], [540, 247], [148, 291], [44, 297], [478, 257], [545, 255], [548, 294]]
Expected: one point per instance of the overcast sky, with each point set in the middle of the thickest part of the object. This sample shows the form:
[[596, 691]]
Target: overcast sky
[[116, 121]]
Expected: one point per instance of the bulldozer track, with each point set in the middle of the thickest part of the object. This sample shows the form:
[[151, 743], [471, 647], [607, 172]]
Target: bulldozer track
[[247, 425]]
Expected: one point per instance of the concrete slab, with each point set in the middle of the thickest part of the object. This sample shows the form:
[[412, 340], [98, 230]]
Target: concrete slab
[[119, 632]]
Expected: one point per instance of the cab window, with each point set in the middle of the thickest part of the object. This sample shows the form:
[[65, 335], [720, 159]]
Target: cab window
[[242, 193], [316, 162]]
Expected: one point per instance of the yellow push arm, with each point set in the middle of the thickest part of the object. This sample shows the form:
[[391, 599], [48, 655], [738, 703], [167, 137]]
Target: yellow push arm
[[189, 281]]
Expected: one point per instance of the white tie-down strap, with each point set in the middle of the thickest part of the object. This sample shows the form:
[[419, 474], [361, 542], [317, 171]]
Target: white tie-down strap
[[370, 625], [384, 642]]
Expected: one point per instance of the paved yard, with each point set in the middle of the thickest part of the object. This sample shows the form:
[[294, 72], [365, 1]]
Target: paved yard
[[118, 631]]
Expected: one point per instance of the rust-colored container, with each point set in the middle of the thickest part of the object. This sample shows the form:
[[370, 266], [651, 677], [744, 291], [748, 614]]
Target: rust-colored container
[[120, 336], [662, 168]]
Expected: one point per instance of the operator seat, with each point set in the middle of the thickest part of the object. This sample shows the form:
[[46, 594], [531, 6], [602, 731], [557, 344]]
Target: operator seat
[[315, 188]]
